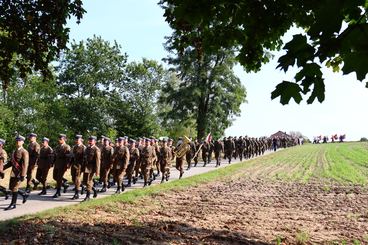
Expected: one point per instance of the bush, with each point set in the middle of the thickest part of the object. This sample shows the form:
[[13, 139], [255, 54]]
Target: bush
[[363, 139]]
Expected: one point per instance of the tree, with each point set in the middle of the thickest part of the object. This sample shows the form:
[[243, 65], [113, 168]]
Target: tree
[[140, 93], [89, 75], [334, 36], [208, 91], [32, 33]]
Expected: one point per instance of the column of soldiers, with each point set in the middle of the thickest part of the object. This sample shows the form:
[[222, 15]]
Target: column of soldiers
[[111, 163]]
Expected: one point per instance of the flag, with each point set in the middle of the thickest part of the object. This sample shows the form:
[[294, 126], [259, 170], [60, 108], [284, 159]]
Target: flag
[[208, 138]]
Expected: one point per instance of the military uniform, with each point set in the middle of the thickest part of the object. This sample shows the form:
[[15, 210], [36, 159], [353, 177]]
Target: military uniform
[[165, 162], [19, 164], [205, 149], [146, 164], [91, 166], [190, 154], [134, 158], [210, 151], [138, 167], [197, 146], [45, 162], [76, 166], [106, 165], [34, 153], [121, 160], [63, 154], [3, 160], [218, 149], [179, 161], [229, 148]]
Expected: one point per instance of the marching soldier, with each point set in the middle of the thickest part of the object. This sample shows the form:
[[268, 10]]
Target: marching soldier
[[19, 164], [229, 148], [134, 158], [190, 154], [205, 150], [218, 149], [197, 146], [45, 162], [210, 150], [146, 164], [156, 161], [139, 161], [121, 160], [77, 163], [165, 160], [106, 163], [34, 153], [91, 166], [3, 160], [180, 159], [63, 154]]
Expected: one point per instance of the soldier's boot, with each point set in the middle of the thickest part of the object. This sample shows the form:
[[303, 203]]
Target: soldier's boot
[[6, 193], [205, 163], [28, 188], [167, 176], [87, 198], [43, 192], [195, 164], [150, 181], [163, 179], [57, 194], [103, 188], [76, 195], [129, 183], [118, 190], [65, 186], [122, 187], [13, 203], [24, 194], [189, 166], [94, 192], [135, 180], [181, 174], [35, 183]]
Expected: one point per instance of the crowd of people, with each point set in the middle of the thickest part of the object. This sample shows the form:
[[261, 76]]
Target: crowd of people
[[112, 161]]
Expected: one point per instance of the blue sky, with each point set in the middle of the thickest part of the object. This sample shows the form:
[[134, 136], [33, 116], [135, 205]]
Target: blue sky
[[139, 26]]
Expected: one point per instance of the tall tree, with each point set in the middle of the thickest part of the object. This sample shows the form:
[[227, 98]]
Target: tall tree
[[32, 33], [140, 92], [209, 92], [89, 74], [335, 36]]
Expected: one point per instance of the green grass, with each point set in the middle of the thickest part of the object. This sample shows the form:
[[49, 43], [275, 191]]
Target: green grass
[[345, 163]]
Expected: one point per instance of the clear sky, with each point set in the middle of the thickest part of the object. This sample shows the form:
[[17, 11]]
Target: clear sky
[[139, 26]]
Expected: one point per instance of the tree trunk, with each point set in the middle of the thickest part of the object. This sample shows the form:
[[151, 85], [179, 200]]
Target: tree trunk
[[201, 120]]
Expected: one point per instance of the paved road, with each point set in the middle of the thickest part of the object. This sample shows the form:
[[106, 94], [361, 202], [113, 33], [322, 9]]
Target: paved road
[[38, 203]]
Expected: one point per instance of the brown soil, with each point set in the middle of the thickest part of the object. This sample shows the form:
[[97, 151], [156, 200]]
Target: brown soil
[[236, 212]]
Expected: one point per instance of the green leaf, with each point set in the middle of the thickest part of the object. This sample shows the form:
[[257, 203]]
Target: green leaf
[[318, 91], [287, 90], [356, 62]]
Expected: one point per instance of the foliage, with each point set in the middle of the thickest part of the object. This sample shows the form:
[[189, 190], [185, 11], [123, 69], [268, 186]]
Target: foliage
[[140, 93], [89, 74], [32, 33], [364, 139], [333, 36], [207, 91]]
